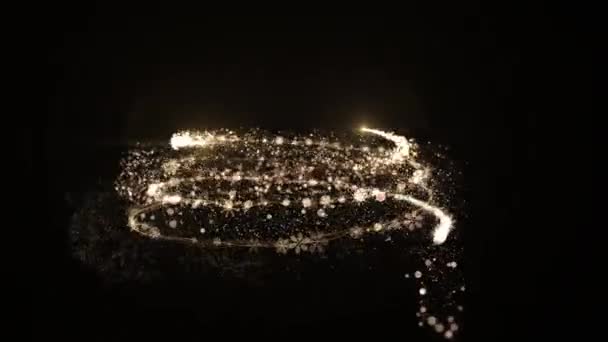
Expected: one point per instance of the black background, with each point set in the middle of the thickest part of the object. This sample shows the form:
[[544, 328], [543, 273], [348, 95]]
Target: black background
[[504, 88]]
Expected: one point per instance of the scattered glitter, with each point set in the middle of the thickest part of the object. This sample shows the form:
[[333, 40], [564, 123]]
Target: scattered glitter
[[270, 173]]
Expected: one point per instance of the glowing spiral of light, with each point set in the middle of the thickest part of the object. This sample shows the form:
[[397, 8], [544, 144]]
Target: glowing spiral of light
[[291, 193], [161, 193]]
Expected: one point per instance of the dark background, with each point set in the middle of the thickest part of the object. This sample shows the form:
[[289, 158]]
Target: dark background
[[492, 84]]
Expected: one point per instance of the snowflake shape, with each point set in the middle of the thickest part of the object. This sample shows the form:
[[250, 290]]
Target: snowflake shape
[[282, 246], [413, 220], [299, 243], [318, 243]]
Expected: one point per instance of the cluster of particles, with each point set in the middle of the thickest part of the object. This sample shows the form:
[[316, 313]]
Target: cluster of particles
[[290, 193]]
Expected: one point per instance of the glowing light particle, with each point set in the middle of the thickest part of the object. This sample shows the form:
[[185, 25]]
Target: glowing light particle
[[325, 200], [321, 213], [285, 202], [154, 189], [417, 274], [173, 223], [360, 195], [248, 204], [306, 202], [422, 291], [228, 205]]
